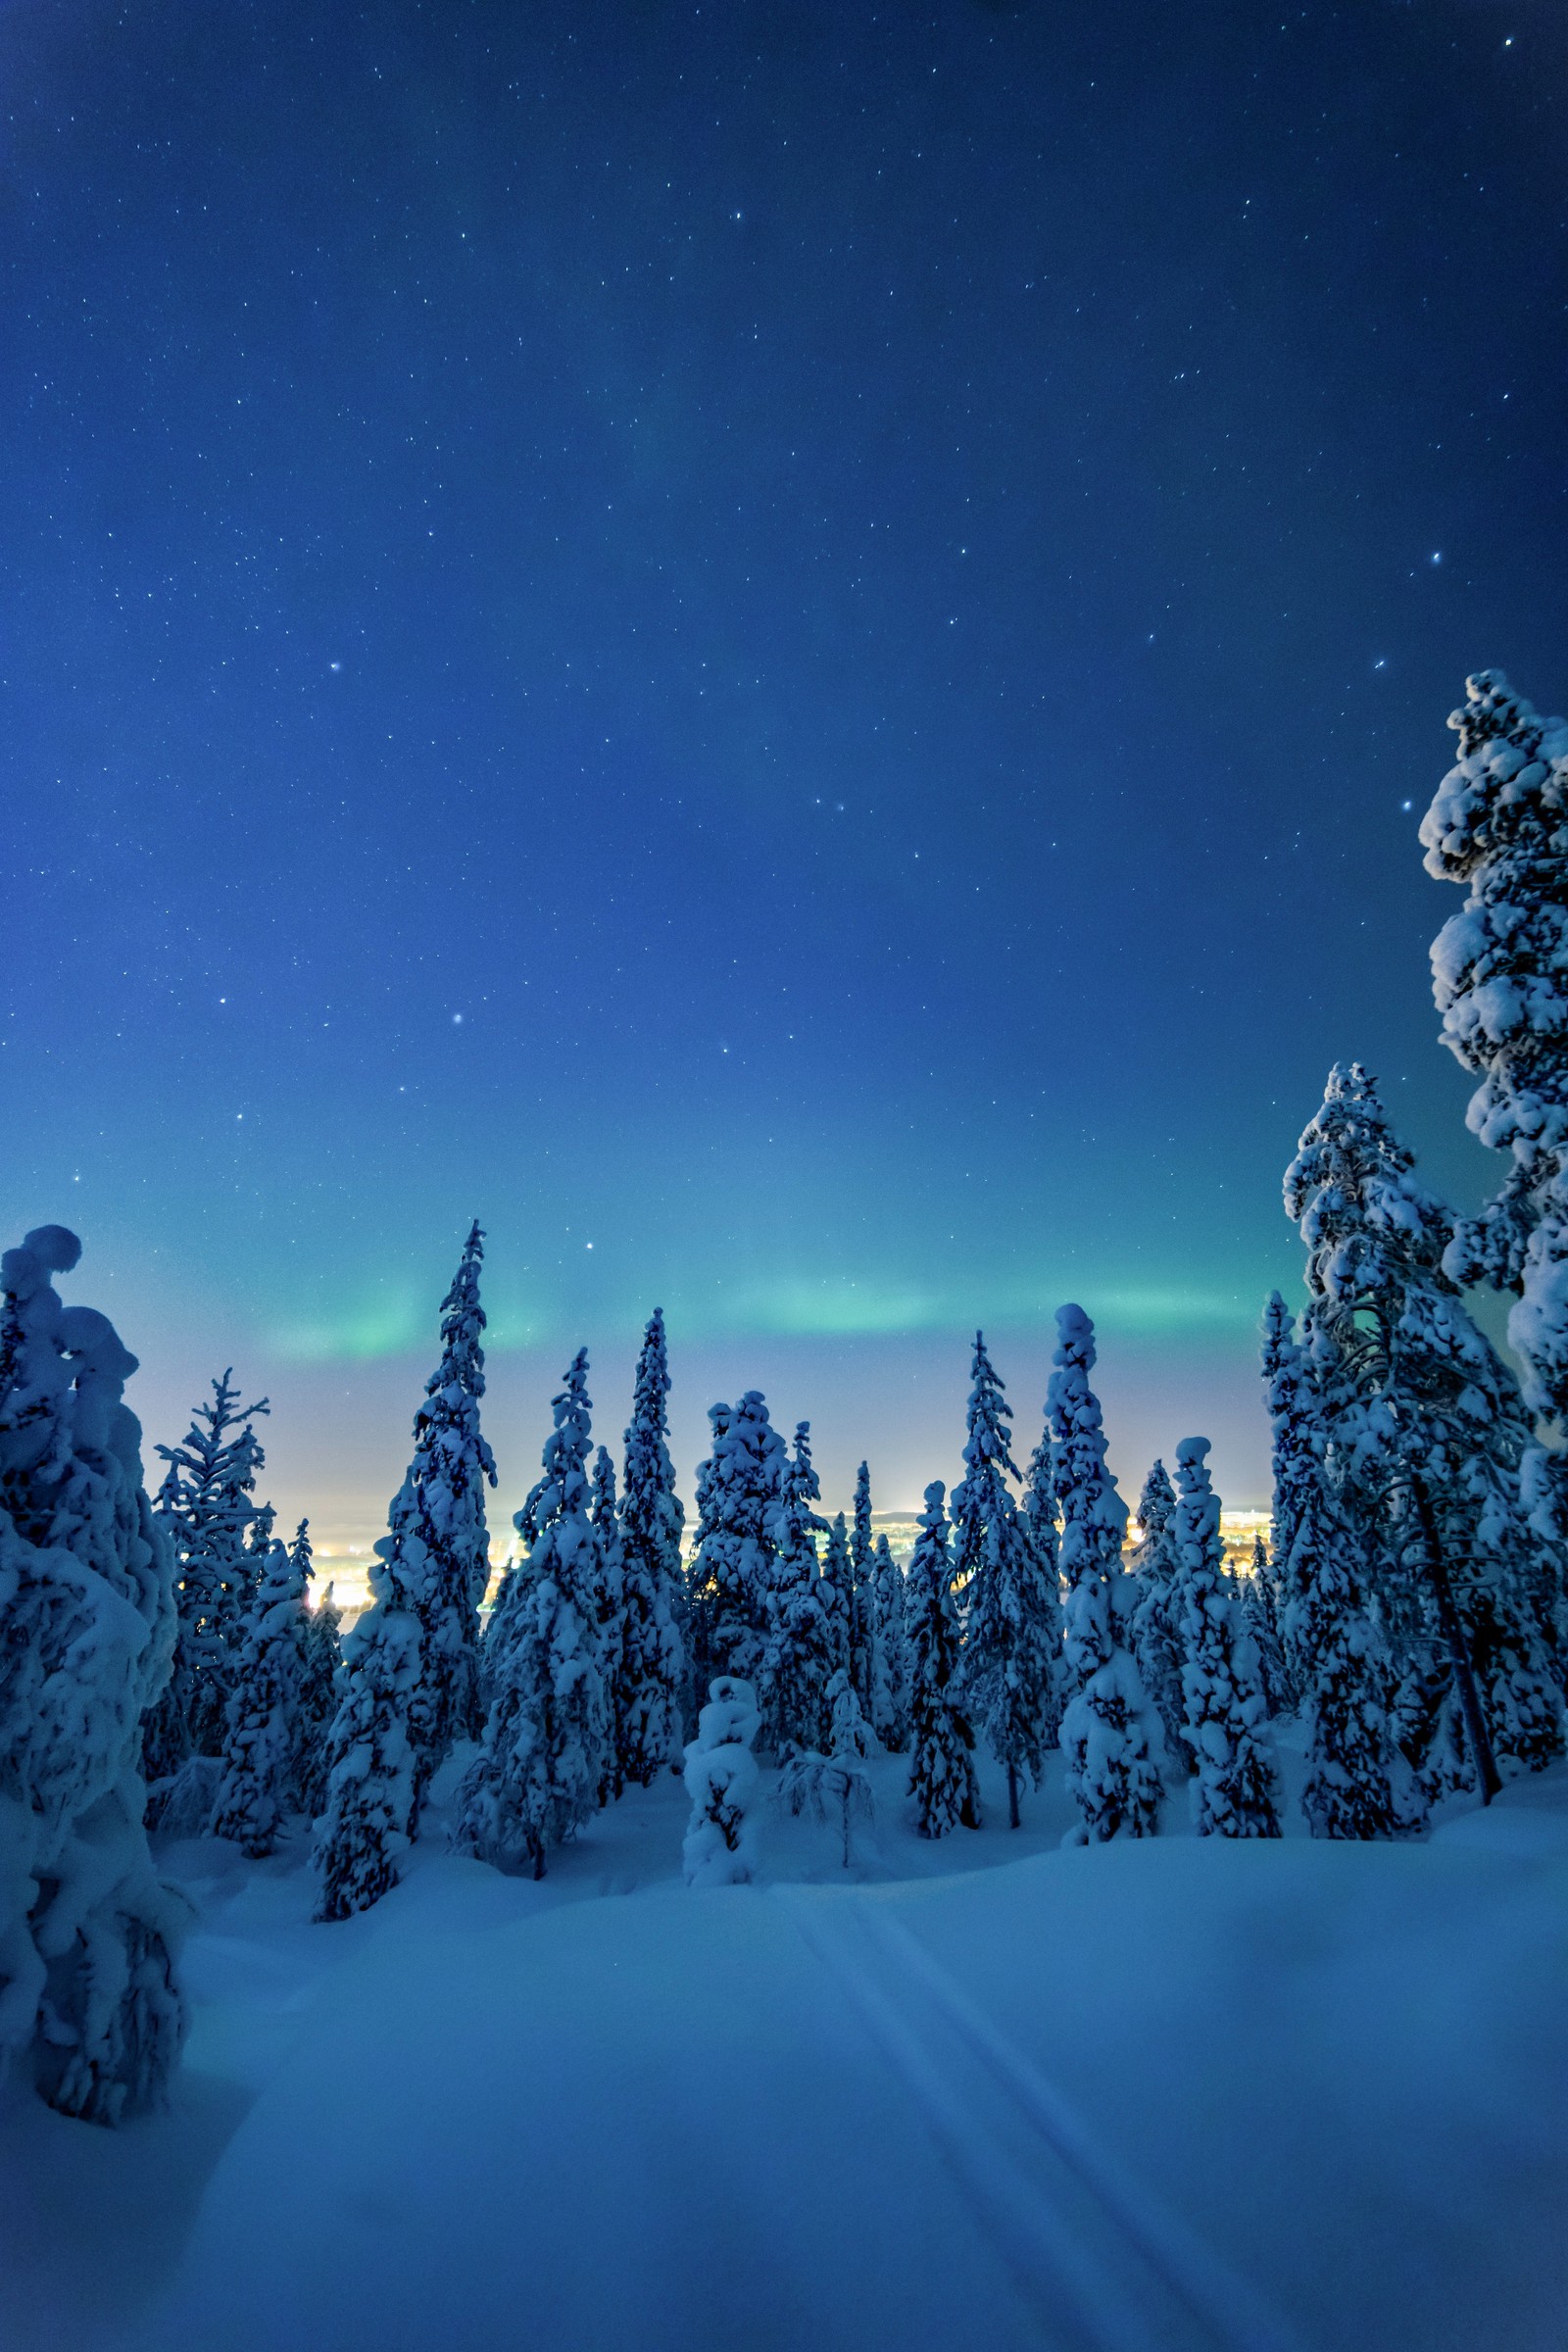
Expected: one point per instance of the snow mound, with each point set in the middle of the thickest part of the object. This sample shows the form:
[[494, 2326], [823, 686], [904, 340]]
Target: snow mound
[[1168, 2094]]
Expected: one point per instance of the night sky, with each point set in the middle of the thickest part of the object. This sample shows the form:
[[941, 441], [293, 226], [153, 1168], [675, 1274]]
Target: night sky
[[791, 650]]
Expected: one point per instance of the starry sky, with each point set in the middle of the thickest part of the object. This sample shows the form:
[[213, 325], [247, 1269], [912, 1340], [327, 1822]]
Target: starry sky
[[791, 647]]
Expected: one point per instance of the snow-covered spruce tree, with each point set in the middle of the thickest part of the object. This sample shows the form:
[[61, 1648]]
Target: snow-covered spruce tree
[[721, 1847], [260, 1745], [440, 1545], [802, 1644], [166, 1727], [1262, 1624], [1426, 1429], [1335, 1658], [1233, 1789], [890, 1688], [941, 1776], [537, 1776], [88, 1998], [1041, 1526], [733, 1572], [207, 1503], [1013, 1633], [861, 1597], [1104, 1730], [610, 1596], [1498, 825], [654, 1697], [317, 1703], [701, 1587], [836, 1787], [1156, 1611], [258, 1543], [370, 1762]]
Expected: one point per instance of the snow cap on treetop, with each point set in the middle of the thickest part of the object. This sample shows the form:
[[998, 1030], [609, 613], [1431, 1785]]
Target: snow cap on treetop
[[1191, 1449], [47, 1250]]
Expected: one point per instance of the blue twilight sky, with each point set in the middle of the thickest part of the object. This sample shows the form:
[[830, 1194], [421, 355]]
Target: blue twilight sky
[[791, 650]]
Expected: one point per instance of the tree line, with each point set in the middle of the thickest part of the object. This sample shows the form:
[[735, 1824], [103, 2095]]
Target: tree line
[[159, 1660]]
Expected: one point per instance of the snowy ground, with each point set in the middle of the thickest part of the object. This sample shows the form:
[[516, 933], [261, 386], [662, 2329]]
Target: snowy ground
[[1183, 2093]]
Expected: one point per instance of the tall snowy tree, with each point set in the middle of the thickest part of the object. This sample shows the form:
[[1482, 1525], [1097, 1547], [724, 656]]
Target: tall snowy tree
[[258, 1746], [1013, 1634], [941, 1776], [538, 1774], [323, 1655], [733, 1572], [1262, 1615], [609, 1593], [440, 1545], [1498, 825], [1426, 1429], [370, 1759], [653, 1644], [1040, 1523], [88, 1936], [1227, 1721], [207, 1503], [862, 1624], [1335, 1656], [1104, 1731], [701, 1584], [804, 1638], [1157, 1610], [890, 1688]]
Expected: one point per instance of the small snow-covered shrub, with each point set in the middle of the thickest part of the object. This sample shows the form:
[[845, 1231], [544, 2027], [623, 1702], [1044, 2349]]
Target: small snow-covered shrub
[[721, 1844]]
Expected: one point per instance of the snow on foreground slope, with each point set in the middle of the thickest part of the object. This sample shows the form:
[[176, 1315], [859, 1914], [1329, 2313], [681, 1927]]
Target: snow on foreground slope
[[1164, 2094]]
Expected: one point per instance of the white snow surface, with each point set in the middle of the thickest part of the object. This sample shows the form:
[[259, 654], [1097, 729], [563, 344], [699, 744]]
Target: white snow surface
[[1163, 2093]]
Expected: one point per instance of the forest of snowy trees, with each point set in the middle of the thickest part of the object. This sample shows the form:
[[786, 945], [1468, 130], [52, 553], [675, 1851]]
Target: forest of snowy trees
[[169, 1668]]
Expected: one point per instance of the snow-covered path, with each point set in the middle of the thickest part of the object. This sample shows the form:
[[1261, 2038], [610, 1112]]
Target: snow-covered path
[[1179, 2095]]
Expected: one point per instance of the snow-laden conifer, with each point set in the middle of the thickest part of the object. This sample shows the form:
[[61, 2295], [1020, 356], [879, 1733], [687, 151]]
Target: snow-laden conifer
[[942, 1775], [1498, 825], [1333, 1656], [834, 1786], [440, 1545], [1013, 1634], [722, 1845], [259, 1746], [1157, 1610], [1227, 1730], [890, 1688], [88, 1936], [208, 1506], [258, 1543], [537, 1776], [1426, 1431], [700, 1586], [652, 1644], [609, 1590], [732, 1575], [861, 1596], [323, 1656], [1261, 1616], [370, 1760], [804, 1640], [1106, 1727], [1040, 1523]]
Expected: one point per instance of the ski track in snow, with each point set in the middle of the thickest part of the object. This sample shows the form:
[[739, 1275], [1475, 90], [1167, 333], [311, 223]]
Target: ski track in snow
[[1089, 2250]]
